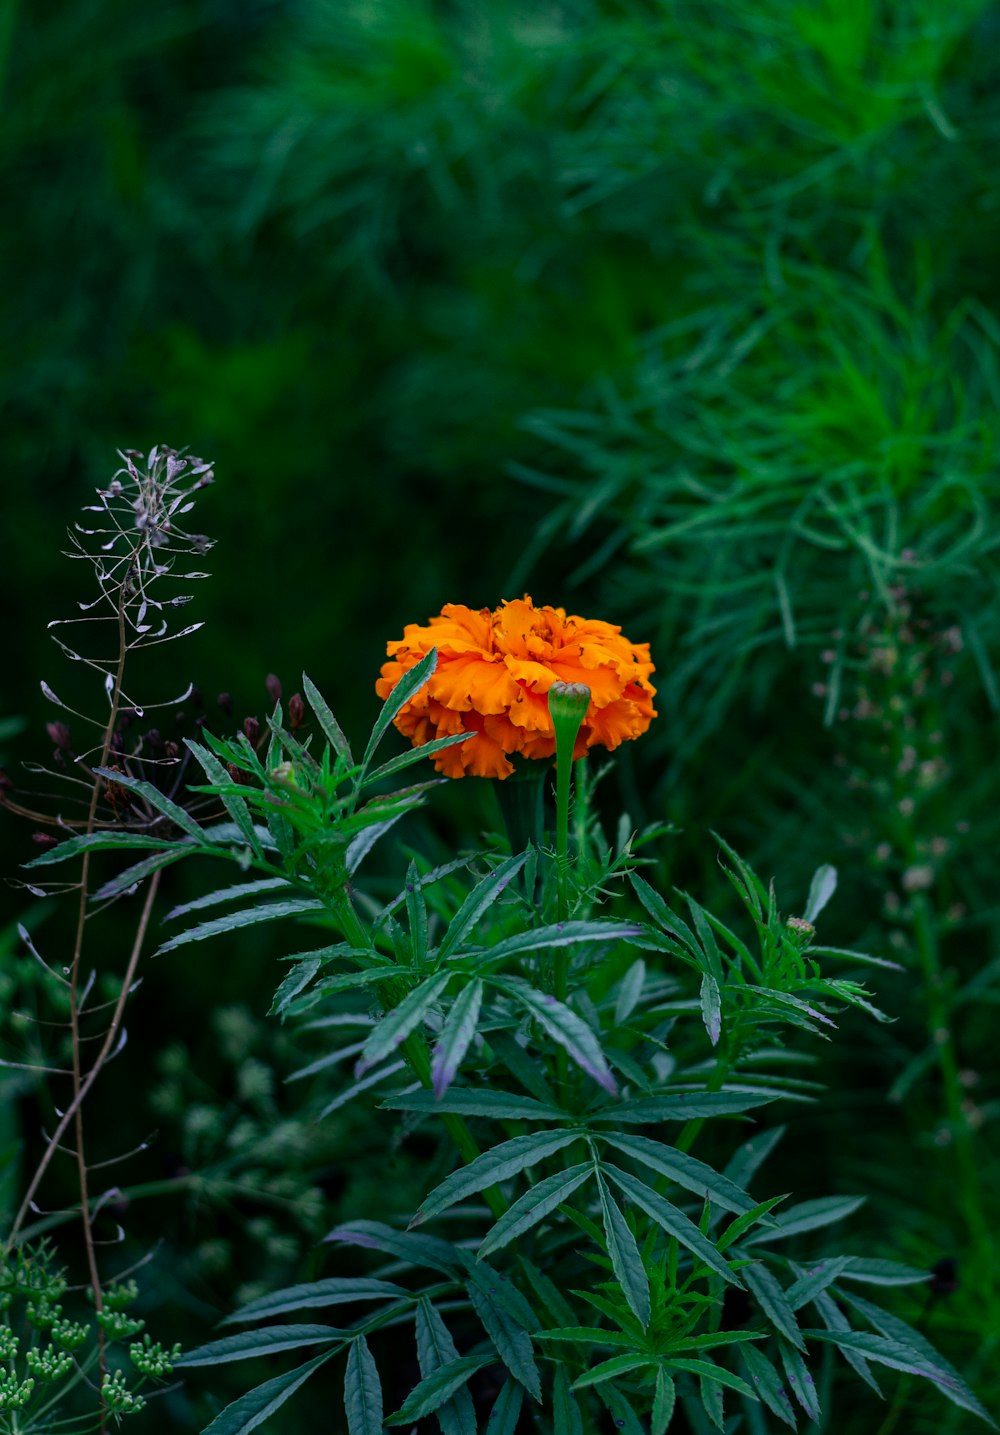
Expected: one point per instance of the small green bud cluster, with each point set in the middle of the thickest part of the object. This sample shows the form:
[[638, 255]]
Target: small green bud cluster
[[120, 1295], [43, 1315], [117, 1325], [14, 1392], [153, 1360], [119, 1399], [49, 1363], [9, 1343], [69, 1334]]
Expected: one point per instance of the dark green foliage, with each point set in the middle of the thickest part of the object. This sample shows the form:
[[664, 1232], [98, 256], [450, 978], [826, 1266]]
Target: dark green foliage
[[686, 315]]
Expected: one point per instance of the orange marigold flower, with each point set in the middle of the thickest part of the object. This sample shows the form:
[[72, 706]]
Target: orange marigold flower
[[494, 671]]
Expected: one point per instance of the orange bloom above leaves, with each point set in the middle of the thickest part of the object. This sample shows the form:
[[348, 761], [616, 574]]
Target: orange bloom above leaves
[[493, 675]]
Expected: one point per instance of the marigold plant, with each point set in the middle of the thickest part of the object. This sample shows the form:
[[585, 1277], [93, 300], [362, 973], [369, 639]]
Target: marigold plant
[[493, 675]]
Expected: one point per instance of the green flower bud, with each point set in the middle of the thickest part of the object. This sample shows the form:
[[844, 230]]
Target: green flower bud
[[568, 704]]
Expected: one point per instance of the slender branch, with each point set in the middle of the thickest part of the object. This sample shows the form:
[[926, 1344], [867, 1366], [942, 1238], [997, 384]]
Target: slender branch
[[88, 1081]]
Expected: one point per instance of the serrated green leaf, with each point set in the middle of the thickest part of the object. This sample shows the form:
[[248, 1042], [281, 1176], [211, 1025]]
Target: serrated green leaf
[[502, 1291], [673, 1221], [99, 842], [835, 1321], [523, 1067], [234, 893], [412, 1250], [768, 1384], [362, 1391], [416, 914], [296, 981], [359, 847], [545, 1290], [808, 1216], [894, 1329], [899, 1356], [712, 1402], [435, 1348], [587, 1335], [686, 1171], [337, 1290], [770, 1296], [609, 1369], [630, 991], [800, 1379], [409, 684], [664, 1401], [883, 1273], [258, 1405], [558, 934], [156, 799], [743, 1223], [236, 921], [500, 1163], [503, 1418], [416, 754], [251, 1343], [364, 1083], [685, 1106], [479, 900], [626, 1261], [808, 1283], [465, 1101], [138, 872], [625, 1417], [534, 1206], [234, 804], [566, 1412], [456, 1036], [712, 1340], [706, 1369], [712, 959], [747, 1160], [511, 1342], [397, 1024], [324, 716], [665, 918], [565, 1027]]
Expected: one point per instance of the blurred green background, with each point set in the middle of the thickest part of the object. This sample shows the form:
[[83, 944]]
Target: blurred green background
[[684, 315]]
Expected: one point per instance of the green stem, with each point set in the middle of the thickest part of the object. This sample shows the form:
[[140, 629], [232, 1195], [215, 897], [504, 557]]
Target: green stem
[[939, 1022], [564, 781]]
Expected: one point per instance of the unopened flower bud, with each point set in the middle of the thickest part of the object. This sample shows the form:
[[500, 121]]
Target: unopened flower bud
[[225, 702], [568, 702], [800, 930], [296, 712], [60, 735], [273, 688], [44, 839], [252, 729]]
